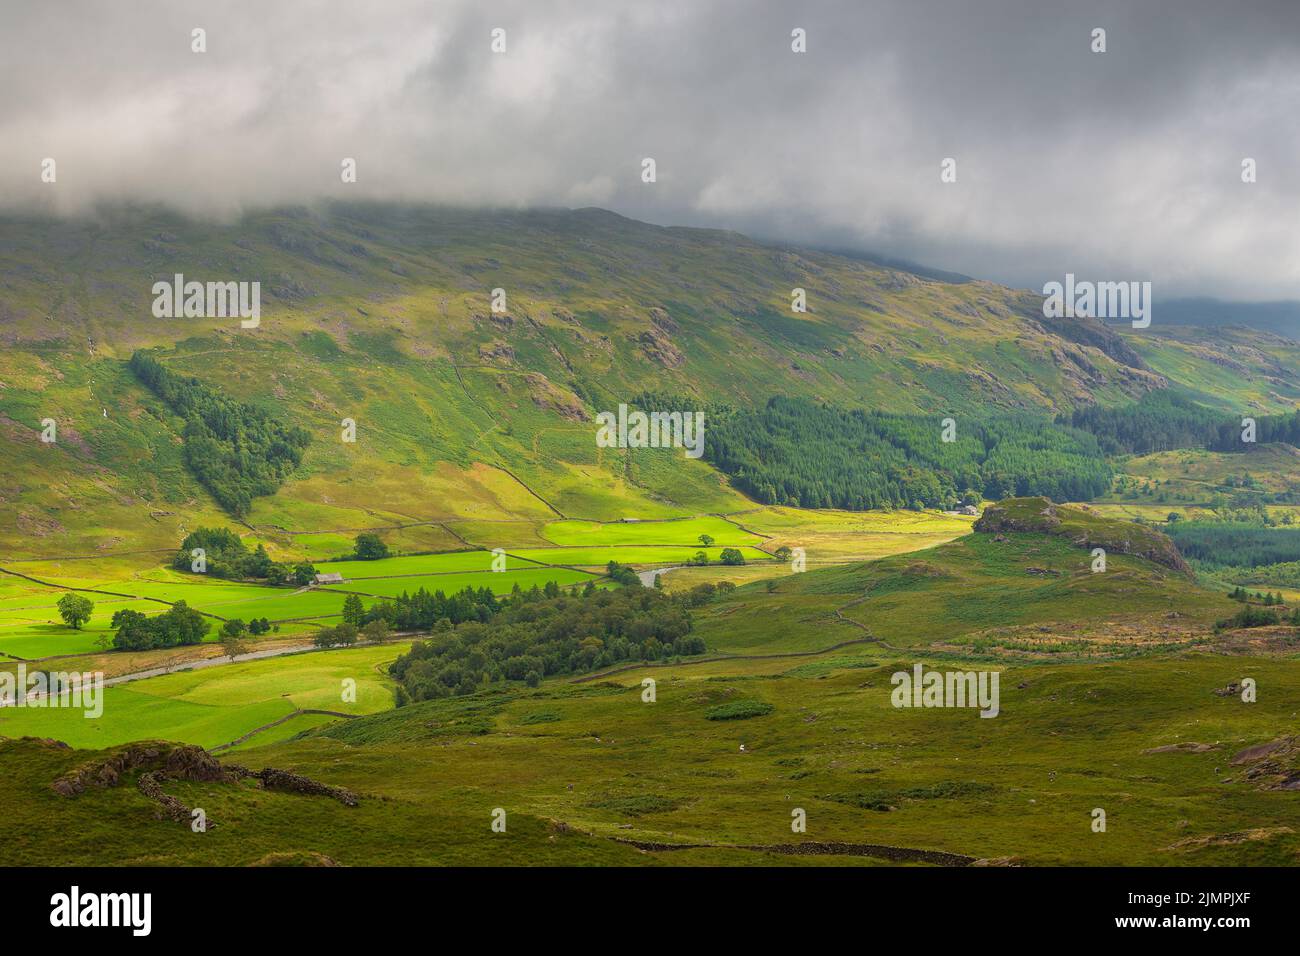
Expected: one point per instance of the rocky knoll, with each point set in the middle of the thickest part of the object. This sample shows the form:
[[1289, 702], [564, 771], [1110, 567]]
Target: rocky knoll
[[1083, 528], [159, 761]]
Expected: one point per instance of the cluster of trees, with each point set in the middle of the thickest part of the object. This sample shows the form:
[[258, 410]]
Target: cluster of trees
[[533, 636], [1285, 574], [178, 626], [728, 556], [226, 556], [702, 594], [619, 573], [1268, 428], [1269, 599], [238, 451], [1164, 419], [257, 626], [1236, 544], [1161, 420], [422, 610], [346, 634], [1252, 616], [796, 452]]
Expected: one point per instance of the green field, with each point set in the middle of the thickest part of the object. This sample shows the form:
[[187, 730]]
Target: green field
[[216, 705], [37, 631], [498, 583], [414, 564], [586, 534], [633, 554]]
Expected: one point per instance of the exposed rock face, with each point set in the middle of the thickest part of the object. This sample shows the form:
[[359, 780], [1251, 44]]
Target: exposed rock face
[[1272, 766], [1041, 516], [496, 352], [1083, 331], [663, 321], [658, 347], [546, 394], [657, 342]]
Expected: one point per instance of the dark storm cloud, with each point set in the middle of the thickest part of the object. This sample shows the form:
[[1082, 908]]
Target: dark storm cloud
[[1117, 165]]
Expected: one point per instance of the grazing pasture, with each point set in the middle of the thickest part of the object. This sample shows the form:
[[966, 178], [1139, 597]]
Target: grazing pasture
[[215, 705]]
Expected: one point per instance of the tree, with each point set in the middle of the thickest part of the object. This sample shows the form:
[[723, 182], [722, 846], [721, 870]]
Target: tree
[[732, 556], [304, 574], [783, 553], [370, 547], [233, 639], [706, 540], [377, 631], [75, 609], [353, 612]]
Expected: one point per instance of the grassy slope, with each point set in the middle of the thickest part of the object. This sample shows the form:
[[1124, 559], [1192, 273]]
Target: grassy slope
[[1196, 476], [1068, 739], [975, 592]]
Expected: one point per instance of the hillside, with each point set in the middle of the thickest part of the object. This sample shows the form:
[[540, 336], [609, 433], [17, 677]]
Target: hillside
[[382, 314], [1007, 589]]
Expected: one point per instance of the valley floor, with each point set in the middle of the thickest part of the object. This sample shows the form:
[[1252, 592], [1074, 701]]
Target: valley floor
[[1115, 696]]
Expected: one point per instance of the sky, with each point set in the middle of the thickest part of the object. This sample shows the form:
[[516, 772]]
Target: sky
[[1122, 165]]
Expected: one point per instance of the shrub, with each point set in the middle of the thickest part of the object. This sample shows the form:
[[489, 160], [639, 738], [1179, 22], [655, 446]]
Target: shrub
[[739, 710]]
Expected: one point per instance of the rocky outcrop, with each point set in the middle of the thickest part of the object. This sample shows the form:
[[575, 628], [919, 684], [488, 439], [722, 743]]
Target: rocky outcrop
[[176, 761], [1272, 766], [1083, 528], [158, 762]]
